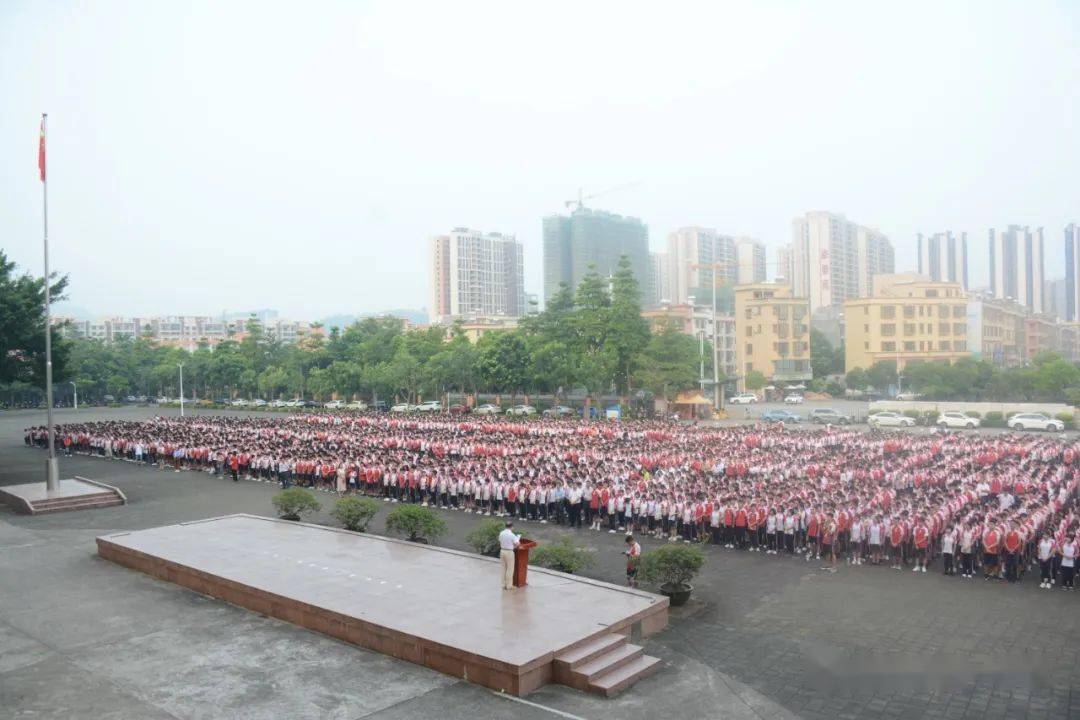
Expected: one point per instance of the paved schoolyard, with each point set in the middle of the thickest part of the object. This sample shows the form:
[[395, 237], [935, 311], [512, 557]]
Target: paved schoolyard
[[764, 637]]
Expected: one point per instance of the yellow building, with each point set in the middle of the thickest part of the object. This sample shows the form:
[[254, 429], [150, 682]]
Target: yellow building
[[1043, 333], [909, 318], [997, 330], [772, 331]]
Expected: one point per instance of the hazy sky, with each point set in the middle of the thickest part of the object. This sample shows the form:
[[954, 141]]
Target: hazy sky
[[212, 156]]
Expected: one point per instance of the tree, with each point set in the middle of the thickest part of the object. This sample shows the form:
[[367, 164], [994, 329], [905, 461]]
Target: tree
[[503, 361], [856, 379], [881, 375], [754, 380], [668, 364], [22, 328], [628, 332], [824, 359]]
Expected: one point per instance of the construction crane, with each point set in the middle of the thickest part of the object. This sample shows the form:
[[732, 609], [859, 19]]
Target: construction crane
[[582, 197]]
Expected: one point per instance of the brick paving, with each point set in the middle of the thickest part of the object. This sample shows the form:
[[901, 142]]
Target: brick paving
[[863, 642]]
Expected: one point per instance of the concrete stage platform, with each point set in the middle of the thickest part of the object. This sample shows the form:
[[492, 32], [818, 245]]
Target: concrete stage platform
[[78, 493], [436, 607]]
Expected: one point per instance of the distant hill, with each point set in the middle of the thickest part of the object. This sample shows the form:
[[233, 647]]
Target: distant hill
[[416, 317]]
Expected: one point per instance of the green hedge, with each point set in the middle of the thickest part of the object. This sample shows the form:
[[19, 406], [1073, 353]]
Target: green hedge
[[993, 419], [1068, 418]]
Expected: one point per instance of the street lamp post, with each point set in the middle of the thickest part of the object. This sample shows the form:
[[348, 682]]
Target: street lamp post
[[181, 365], [75, 389]]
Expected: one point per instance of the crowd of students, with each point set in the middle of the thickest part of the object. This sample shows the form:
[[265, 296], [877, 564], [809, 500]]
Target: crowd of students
[[990, 505]]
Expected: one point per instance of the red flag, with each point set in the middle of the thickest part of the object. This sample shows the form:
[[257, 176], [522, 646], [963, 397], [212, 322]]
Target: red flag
[[41, 151]]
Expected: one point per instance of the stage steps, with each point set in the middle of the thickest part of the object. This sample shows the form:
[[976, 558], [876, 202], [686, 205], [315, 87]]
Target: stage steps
[[104, 499], [77, 502], [605, 665]]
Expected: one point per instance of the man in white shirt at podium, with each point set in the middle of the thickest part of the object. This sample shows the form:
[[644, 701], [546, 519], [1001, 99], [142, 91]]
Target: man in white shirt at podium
[[508, 540]]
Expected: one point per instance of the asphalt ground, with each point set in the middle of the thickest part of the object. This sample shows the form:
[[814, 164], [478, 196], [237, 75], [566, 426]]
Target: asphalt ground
[[763, 636]]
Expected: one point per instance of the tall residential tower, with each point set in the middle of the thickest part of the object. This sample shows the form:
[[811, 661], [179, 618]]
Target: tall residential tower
[[942, 257], [1016, 266], [593, 237], [834, 259], [476, 274]]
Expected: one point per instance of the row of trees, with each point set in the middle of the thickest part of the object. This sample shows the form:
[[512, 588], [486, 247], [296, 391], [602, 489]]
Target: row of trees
[[593, 338], [1049, 377]]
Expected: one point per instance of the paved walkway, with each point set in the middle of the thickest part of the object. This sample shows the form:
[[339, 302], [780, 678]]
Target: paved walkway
[[764, 637]]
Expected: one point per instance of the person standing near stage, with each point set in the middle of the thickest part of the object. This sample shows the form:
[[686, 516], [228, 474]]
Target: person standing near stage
[[508, 540], [633, 557]]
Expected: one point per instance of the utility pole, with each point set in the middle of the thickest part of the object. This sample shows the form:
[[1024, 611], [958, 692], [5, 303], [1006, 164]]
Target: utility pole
[[181, 389], [75, 389]]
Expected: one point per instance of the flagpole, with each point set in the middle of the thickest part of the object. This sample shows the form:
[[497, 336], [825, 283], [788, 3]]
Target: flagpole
[[52, 474]]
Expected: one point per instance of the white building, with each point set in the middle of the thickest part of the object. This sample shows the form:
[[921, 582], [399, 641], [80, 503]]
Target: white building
[[834, 259], [661, 280], [482, 274], [1016, 266], [943, 257], [783, 263], [750, 258], [694, 255], [1072, 272]]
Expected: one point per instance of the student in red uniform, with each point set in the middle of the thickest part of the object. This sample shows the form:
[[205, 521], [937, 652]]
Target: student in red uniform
[[921, 543], [991, 541], [1013, 544]]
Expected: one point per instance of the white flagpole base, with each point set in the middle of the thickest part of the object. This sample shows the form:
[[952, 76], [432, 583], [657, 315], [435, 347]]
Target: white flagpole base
[[52, 474]]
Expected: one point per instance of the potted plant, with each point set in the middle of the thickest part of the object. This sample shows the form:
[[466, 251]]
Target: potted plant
[[563, 555], [672, 567], [355, 513], [415, 523], [294, 503], [485, 538]]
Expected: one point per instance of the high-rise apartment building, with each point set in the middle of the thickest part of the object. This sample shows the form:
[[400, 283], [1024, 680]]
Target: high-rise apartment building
[[1056, 296], [1072, 272], [698, 258], [783, 263], [590, 237], [907, 319], [943, 257], [661, 280], [476, 274], [439, 259], [834, 259], [1016, 266], [750, 261], [873, 256]]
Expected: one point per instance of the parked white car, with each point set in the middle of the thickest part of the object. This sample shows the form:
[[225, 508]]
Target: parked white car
[[487, 409], [239, 402], [793, 400], [890, 419], [258, 403], [521, 410], [954, 419], [431, 406], [279, 403], [357, 405], [1035, 421], [401, 408], [334, 405], [743, 399]]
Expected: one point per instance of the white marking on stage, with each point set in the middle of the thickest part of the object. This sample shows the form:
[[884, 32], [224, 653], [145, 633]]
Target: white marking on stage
[[530, 703]]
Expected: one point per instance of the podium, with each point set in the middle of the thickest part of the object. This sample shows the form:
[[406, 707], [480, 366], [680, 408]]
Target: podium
[[521, 562]]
